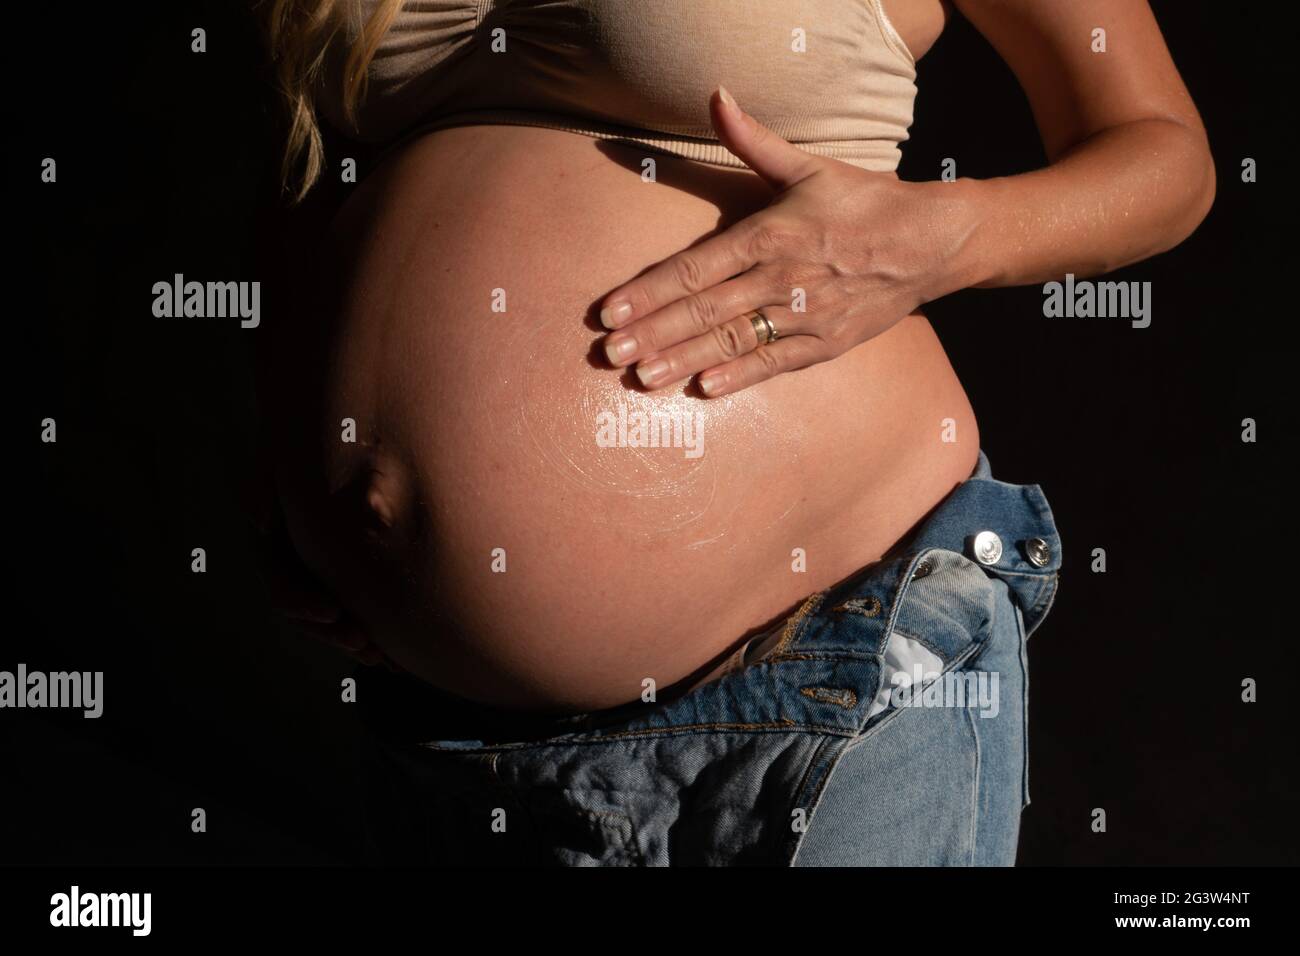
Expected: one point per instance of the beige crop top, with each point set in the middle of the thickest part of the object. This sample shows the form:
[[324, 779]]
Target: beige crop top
[[832, 76]]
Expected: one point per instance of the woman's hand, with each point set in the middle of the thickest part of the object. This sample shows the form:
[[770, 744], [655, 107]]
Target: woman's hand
[[305, 603], [839, 256], [294, 592]]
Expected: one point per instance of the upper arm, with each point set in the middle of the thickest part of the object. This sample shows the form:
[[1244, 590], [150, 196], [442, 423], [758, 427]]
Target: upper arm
[[1073, 91]]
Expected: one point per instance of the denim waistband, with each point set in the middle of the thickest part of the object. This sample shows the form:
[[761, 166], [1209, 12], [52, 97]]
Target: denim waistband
[[828, 648]]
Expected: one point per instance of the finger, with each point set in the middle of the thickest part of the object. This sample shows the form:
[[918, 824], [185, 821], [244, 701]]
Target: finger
[[295, 594], [301, 606], [370, 656], [345, 636], [687, 318], [766, 361], [781, 163], [291, 588], [692, 270], [730, 340]]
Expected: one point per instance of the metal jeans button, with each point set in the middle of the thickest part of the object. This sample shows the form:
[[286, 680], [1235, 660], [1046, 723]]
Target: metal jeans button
[[988, 548], [1038, 552]]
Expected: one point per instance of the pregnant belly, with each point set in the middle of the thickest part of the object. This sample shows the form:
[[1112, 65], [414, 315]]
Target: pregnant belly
[[510, 518]]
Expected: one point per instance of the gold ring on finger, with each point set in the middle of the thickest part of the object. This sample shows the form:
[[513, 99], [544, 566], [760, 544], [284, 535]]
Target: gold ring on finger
[[763, 328]]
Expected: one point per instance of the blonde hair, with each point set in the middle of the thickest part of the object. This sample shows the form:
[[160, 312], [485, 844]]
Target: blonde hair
[[299, 34]]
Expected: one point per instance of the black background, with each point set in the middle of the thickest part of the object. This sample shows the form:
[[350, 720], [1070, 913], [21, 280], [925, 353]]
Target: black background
[[165, 164]]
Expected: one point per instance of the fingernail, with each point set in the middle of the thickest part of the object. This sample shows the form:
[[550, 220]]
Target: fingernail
[[612, 315], [727, 99], [712, 383], [652, 373], [618, 350]]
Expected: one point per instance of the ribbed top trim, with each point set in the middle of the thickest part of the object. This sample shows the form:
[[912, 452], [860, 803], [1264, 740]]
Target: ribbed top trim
[[878, 156]]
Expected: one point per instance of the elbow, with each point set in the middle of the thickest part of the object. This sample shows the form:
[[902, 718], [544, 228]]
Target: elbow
[[1197, 196], [1209, 186], [1201, 197]]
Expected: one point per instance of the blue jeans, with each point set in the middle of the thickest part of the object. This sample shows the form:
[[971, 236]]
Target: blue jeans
[[883, 724]]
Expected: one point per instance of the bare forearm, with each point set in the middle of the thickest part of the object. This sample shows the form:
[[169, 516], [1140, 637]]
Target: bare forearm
[[1124, 194]]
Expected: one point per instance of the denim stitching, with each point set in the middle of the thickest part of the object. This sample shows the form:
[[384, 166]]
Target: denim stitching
[[783, 725], [867, 607], [975, 790], [1023, 654], [1013, 573], [814, 799], [839, 696], [1046, 604], [838, 657], [798, 622], [803, 781]]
